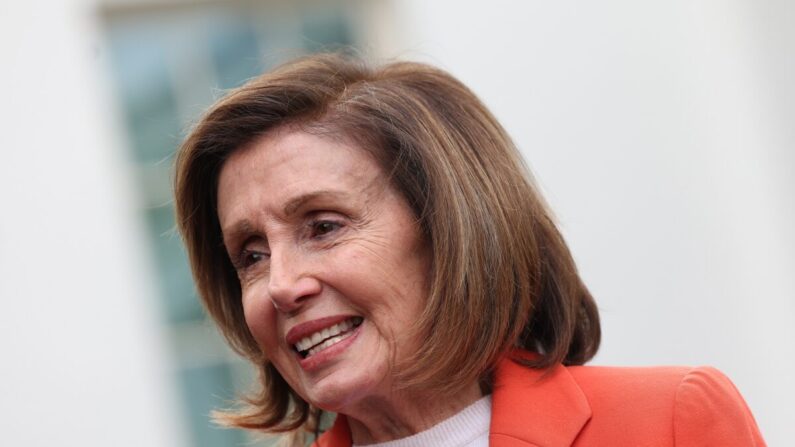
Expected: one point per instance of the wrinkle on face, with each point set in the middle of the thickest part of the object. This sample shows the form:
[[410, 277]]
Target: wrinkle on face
[[375, 267]]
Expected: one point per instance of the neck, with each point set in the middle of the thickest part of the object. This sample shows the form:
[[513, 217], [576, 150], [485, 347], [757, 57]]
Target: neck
[[401, 414]]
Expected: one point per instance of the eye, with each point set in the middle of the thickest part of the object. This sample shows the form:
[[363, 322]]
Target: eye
[[321, 228], [248, 258]]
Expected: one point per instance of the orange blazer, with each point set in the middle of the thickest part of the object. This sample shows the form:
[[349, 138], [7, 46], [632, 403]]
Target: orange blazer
[[608, 406]]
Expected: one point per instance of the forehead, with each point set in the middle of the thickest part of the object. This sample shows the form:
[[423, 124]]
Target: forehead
[[284, 164]]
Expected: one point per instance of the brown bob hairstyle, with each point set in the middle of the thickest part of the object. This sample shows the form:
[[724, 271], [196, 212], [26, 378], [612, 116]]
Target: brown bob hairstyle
[[501, 274]]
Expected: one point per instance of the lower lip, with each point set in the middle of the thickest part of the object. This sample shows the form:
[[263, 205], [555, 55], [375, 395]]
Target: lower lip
[[321, 358]]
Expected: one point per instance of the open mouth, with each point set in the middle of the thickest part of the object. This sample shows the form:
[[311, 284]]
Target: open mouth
[[327, 337]]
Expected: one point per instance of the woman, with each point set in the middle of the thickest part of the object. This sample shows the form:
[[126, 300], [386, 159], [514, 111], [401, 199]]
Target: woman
[[371, 241]]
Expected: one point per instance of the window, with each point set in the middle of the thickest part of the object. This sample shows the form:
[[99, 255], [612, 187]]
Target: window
[[170, 61]]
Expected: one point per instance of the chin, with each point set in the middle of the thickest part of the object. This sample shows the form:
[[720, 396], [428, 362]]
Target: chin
[[342, 391]]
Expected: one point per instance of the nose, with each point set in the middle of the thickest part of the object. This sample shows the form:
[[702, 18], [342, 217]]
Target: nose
[[290, 282]]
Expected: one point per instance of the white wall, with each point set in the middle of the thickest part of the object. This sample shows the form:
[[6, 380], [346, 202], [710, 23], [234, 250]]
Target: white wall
[[662, 135], [83, 361]]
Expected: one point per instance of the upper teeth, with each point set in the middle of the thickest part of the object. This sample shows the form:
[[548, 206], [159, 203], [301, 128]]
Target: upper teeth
[[313, 339]]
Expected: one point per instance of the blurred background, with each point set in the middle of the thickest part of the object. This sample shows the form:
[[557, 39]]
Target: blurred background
[[662, 134]]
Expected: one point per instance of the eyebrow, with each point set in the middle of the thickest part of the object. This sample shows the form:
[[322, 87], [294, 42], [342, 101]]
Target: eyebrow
[[295, 204], [245, 227], [237, 231]]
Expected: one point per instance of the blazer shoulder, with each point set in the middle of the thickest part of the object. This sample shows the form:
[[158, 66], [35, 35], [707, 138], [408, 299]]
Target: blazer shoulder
[[650, 388], [691, 406], [645, 377], [633, 405], [709, 410]]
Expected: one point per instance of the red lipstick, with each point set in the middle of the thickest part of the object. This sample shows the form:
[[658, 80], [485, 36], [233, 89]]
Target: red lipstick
[[299, 331]]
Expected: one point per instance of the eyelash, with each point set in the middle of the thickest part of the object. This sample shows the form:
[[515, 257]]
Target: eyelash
[[315, 226], [245, 261]]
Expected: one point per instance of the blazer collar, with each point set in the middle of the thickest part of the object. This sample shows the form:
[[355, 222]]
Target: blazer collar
[[529, 407], [339, 435], [543, 408]]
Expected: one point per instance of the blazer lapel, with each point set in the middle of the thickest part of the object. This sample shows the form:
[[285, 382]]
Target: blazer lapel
[[529, 407], [536, 408], [339, 435]]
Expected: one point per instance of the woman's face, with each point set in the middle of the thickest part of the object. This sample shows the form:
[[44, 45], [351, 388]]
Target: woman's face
[[331, 265]]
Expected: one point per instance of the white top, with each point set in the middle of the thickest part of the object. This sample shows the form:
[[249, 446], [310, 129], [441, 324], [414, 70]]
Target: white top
[[468, 428]]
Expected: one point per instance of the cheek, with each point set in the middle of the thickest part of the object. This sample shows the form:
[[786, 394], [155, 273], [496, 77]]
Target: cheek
[[261, 321], [391, 288]]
